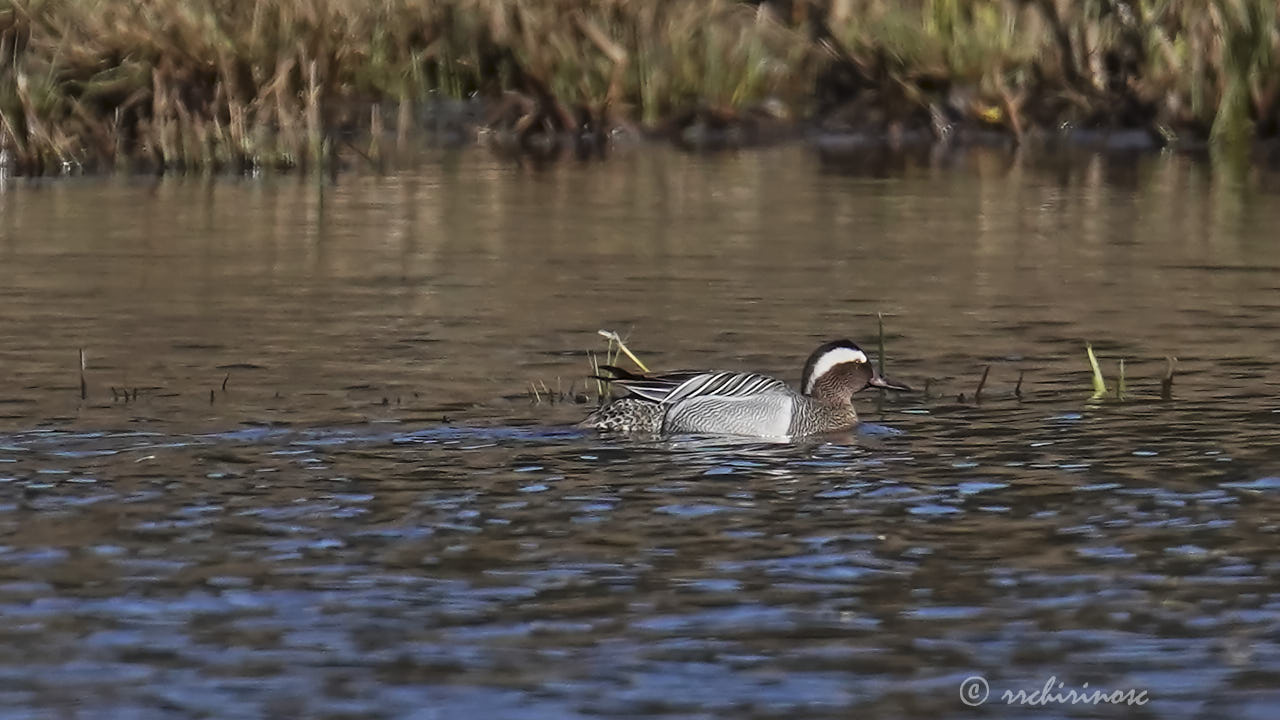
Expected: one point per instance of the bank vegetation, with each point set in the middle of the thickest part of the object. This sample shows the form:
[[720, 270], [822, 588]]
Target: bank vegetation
[[239, 84]]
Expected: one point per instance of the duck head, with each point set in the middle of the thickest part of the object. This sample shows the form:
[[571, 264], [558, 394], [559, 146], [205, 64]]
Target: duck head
[[839, 369]]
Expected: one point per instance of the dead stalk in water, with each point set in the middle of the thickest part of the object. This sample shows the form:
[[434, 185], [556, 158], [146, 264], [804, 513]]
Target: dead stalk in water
[[615, 338], [880, 320], [595, 373], [1166, 383], [977, 394]]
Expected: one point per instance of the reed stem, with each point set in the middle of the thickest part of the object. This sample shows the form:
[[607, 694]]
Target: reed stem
[[615, 338]]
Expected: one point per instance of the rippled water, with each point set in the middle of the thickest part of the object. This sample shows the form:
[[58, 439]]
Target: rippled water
[[307, 479]]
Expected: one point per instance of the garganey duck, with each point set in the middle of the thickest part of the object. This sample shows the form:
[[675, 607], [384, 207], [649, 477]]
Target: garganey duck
[[747, 404]]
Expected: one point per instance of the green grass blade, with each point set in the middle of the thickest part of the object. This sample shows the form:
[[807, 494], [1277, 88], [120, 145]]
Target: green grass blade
[[1099, 385]]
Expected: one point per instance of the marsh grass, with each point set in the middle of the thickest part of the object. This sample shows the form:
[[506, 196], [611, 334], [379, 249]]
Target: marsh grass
[[1121, 390], [170, 84], [540, 392], [248, 84], [1178, 67], [615, 349]]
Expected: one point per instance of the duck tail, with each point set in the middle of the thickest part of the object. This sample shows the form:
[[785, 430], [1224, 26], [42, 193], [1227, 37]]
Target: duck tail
[[617, 374]]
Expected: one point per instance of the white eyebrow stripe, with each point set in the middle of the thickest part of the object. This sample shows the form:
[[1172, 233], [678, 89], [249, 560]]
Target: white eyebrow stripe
[[830, 359]]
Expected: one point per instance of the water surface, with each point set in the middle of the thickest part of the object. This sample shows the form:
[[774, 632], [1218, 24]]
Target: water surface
[[307, 478]]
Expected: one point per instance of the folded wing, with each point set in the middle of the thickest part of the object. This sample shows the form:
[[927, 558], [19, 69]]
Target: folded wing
[[674, 387]]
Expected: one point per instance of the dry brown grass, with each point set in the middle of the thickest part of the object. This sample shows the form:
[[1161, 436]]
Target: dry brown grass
[[236, 84]]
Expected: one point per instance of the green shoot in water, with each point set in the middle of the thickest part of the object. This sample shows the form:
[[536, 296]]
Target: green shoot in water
[[1099, 385]]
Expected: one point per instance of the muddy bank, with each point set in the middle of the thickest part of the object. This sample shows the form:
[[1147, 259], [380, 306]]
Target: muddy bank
[[484, 123]]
